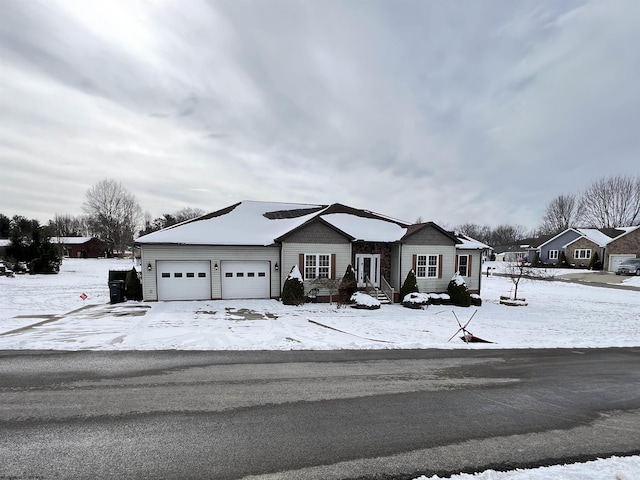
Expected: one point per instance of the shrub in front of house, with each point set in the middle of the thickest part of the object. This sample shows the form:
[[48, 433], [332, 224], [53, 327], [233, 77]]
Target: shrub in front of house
[[416, 300], [435, 299], [364, 301], [562, 261], [476, 301], [410, 284], [293, 288], [595, 263], [458, 291], [348, 286]]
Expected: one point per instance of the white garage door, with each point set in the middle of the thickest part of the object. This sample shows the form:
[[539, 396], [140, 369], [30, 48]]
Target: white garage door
[[184, 280], [615, 260], [245, 279]]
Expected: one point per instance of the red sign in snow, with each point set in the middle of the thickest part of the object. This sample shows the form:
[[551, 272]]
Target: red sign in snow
[[83, 296]]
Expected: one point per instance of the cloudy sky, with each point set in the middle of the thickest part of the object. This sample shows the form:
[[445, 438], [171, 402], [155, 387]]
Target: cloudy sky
[[460, 111]]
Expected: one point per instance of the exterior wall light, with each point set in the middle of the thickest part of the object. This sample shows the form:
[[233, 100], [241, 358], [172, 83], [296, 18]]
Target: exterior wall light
[[149, 267], [276, 266], [215, 267]]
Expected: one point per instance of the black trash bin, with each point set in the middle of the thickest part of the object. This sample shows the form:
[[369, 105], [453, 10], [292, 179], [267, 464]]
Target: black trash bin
[[116, 291]]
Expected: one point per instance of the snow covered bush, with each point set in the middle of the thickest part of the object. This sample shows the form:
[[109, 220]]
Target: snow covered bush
[[364, 301], [445, 299], [410, 284], [458, 291], [476, 300], [415, 300], [435, 299], [348, 285], [293, 288]]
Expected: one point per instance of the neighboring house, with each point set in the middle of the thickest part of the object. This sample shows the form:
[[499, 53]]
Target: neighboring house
[[613, 245], [622, 246], [248, 249], [80, 247]]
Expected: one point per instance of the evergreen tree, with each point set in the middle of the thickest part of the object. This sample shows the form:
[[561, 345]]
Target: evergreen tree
[[458, 291], [562, 260], [595, 263], [410, 285], [293, 288], [348, 285]]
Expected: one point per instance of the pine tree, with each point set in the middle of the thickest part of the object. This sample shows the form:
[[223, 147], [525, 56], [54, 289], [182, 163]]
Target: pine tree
[[293, 288], [458, 291], [348, 285], [410, 285]]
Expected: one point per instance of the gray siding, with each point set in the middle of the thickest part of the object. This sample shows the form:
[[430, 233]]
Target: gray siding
[[291, 255], [474, 279], [316, 233], [215, 254], [428, 236], [430, 285], [557, 244]]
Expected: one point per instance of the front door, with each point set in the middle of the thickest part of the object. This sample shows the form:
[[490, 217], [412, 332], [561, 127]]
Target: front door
[[368, 266]]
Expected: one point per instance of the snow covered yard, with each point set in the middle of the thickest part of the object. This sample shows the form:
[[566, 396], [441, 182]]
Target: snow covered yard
[[559, 314]]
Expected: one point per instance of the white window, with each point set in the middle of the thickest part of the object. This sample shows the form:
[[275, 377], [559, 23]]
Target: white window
[[427, 266], [317, 266], [463, 265], [552, 254], [582, 254]]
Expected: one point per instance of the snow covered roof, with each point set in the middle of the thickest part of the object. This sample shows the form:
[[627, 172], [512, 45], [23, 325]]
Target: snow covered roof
[[246, 223], [362, 228], [263, 223], [71, 240], [595, 235], [469, 243]]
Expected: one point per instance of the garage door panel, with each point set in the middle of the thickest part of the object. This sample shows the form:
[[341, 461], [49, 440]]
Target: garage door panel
[[184, 280], [617, 259], [245, 279]]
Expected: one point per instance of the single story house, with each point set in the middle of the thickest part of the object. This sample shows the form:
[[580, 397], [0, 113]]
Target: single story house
[[613, 245], [80, 247], [248, 249]]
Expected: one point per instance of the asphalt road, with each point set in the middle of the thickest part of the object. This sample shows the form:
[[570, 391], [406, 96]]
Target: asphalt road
[[312, 415]]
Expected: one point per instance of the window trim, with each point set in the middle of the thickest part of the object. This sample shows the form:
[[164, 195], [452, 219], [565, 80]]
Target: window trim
[[586, 251], [317, 268], [553, 254], [467, 272], [427, 265]]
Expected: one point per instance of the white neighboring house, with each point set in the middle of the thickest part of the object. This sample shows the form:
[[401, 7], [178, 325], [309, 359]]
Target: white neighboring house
[[247, 250]]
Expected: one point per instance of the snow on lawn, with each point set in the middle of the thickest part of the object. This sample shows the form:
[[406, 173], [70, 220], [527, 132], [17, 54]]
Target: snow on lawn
[[559, 314], [614, 468]]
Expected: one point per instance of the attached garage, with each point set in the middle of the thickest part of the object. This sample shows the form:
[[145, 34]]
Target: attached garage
[[615, 260], [184, 280], [245, 279]]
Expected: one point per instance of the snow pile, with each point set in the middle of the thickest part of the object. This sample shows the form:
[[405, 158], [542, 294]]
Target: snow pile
[[365, 301], [614, 468]]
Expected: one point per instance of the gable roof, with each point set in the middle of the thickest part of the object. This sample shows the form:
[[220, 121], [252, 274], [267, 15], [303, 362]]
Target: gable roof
[[263, 223], [413, 229]]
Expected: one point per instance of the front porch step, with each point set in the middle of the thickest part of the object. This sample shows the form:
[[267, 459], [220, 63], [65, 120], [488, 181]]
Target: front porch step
[[381, 297]]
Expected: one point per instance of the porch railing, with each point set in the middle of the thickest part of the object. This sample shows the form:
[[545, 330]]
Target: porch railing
[[387, 289]]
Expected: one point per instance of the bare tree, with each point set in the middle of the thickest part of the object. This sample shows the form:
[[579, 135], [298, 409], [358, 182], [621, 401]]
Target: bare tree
[[187, 214], [507, 234], [611, 202], [64, 225], [561, 213], [114, 214], [481, 233]]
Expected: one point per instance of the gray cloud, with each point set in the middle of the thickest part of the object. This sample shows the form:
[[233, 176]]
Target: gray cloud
[[455, 112]]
